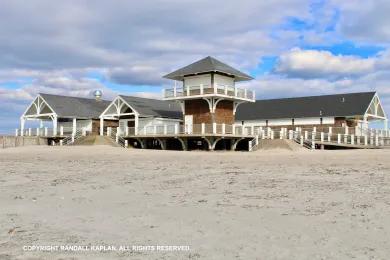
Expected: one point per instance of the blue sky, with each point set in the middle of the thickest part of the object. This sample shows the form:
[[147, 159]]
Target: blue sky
[[290, 47]]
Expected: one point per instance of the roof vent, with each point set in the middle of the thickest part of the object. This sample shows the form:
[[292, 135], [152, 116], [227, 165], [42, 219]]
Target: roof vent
[[343, 99], [98, 95]]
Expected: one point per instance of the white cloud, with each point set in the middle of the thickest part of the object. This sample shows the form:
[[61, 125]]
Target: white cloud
[[315, 63], [365, 21]]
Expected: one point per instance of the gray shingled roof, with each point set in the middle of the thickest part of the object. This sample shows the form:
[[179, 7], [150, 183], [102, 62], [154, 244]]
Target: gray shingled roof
[[208, 64], [350, 104], [154, 107], [65, 106]]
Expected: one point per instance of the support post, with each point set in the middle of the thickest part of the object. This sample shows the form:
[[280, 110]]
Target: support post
[[223, 128], [136, 124], [126, 143], [55, 122], [165, 129], [74, 126], [214, 128], [352, 139], [313, 142], [322, 137], [176, 129], [306, 135], [22, 122], [38, 131], [339, 138], [29, 131], [61, 130], [46, 131], [365, 140], [61, 142], [16, 132], [203, 128]]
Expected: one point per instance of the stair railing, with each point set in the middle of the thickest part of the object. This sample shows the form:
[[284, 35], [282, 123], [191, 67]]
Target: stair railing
[[114, 135], [69, 140]]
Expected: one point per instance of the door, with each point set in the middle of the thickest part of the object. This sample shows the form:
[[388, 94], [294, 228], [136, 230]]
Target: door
[[122, 127], [188, 123]]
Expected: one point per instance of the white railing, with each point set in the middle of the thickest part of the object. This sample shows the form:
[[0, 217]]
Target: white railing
[[195, 129], [312, 139], [114, 133], [253, 144], [47, 131], [200, 90], [69, 140]]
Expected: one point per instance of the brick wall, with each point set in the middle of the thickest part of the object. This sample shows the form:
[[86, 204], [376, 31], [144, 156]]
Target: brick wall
[[107, 123], [201, 113], [224, 112]]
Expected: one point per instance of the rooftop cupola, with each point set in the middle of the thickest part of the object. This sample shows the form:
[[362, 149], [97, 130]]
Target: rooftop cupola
[[207, 92], [208, 77]]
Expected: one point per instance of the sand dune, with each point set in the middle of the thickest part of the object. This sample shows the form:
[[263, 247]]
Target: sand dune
[[223, 205]]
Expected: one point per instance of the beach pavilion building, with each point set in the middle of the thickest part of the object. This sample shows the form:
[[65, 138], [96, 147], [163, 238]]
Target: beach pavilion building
[[197, 112], [351, 110], [65, 115], [137, 115], [207, 109]]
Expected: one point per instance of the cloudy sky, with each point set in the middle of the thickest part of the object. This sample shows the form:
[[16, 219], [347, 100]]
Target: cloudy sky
[[290, 47]]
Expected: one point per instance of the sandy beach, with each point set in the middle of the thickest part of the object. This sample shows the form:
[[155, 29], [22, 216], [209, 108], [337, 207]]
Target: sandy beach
[[273, 204]]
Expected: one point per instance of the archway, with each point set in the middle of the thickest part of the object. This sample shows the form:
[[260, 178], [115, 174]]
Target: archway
[[222, 144], [174, 144], [241, 145], [136, 143]]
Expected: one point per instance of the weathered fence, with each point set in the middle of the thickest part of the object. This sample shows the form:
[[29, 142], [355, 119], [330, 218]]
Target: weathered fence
[[16, 141]]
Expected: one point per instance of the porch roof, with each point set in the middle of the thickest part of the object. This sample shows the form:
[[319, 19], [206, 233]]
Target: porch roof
[[75, 107], [339, 105], [154, 107]]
